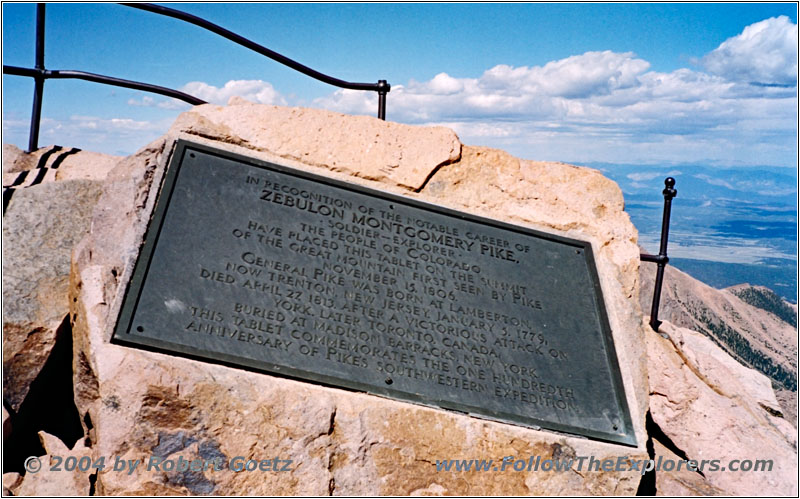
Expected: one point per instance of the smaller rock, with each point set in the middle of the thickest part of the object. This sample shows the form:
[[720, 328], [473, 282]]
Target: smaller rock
[[6, 424], [56, 483], [683, 482], [433, 489], [722, 371], [60, 163], [15, 160], [362, 146], [11, 482], [788, 401]]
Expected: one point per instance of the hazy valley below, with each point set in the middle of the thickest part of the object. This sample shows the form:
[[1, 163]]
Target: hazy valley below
[[729, 225]]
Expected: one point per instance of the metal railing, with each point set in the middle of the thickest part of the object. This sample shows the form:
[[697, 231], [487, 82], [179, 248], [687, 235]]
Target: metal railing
[[39, 73], [661, 258]]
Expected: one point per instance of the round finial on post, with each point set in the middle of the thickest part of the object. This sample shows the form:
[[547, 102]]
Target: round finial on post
[[383, 86], [669, 190]]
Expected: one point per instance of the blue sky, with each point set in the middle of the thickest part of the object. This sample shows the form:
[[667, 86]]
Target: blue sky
[[624, 83]]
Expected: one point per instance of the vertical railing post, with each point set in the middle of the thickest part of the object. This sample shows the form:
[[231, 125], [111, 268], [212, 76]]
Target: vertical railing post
[[662, 259], [38, 86], [383, 88]]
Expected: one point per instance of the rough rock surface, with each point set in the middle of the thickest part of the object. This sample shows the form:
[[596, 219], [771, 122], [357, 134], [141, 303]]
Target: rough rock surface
[[41, 223], [357, 145], [58, 163], [11, 482], [712, 407], [49, 482], [6, 423], [142, 403], [788, 401], [681, 482], [13, 160]]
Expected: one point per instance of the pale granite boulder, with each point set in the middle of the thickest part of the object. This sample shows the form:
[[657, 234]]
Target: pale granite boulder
[[41, 223], [142, 404], [52, 478], [713, 408]]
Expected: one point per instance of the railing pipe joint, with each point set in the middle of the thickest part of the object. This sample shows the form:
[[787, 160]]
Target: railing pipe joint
[[661, 259]]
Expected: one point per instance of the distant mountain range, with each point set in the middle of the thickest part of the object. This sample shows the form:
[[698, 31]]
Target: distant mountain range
[[778, 274]]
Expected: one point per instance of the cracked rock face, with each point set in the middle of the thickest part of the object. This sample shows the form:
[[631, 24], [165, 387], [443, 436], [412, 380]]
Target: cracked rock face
[[143, 404], [681, 482], [713, 408], [41, 224]]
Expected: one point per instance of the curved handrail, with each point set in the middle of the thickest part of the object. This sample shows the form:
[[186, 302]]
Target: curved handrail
[[39, 73], [380, 86], [97, 78]]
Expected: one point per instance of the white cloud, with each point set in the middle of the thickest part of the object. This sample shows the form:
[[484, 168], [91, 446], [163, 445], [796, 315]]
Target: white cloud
[[594, 89], [640, 177], [540, 91], [120, 136], [763, 187], [479, 129], [148, 101], [599, 106], [352, 101], [765, 52], [258, 91], [444, 84], [593, 73], [103, 124]]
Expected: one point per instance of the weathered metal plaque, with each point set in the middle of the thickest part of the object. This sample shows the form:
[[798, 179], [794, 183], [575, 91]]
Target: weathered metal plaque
[[261, 266]]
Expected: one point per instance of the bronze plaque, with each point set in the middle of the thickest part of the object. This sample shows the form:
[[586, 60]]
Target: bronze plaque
[[265, 267]]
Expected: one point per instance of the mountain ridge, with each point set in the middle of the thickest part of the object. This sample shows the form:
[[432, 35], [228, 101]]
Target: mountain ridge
[[764, 298], [751, 323]]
